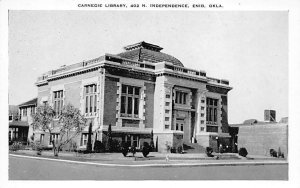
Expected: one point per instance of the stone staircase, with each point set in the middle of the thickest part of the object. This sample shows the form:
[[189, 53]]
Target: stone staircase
[[193, 148]]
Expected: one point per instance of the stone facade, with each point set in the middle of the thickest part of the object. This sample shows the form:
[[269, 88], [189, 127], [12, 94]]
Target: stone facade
[[140, 91]]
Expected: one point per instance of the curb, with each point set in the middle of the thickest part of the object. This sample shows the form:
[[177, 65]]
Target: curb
[[237, 163]]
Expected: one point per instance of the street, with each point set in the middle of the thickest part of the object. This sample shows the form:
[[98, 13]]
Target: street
[[33, 169]]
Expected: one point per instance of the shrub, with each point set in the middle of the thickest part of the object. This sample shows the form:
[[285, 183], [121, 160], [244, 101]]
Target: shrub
[[99, 146], [273, 153], [172, 150], [179, 149], [38, 147], [115, 146], [146, 149], [152, 145], [132, 150], [16, 146], [209, 151], [124, 149], [243, 152]]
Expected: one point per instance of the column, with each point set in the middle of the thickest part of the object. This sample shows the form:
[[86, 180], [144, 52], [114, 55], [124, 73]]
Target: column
[[200, 96]]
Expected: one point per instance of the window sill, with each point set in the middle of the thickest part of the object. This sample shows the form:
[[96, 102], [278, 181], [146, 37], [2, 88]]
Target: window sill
[[93, 114], [212, 124], [133, 118]]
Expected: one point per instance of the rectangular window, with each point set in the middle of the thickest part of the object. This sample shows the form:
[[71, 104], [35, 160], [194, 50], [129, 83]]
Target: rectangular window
[[42, 138], [95, 103], [53, 137], [135, 140], [84, 139], [136, 106], [181, 97], [212, 111], [123, 104], [32, 110], [10, 118], [90, 96], [24, 110], [58, 102], [91, 103], [130, 101], [129, 106]]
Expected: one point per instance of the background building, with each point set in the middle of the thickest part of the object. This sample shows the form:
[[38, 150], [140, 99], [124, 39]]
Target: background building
[[20, 120], [139, 91], [258, 137]]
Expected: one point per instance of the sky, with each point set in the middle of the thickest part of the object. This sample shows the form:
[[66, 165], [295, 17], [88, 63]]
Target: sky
[[249, 48]]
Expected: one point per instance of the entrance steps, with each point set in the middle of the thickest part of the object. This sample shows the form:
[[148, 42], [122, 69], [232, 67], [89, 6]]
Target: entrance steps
[[193, 148]]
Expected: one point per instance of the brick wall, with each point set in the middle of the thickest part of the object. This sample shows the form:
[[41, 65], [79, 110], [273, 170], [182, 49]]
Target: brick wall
[[259, 139], [149, 107], [110, 101], [224, 115], [72, 91]]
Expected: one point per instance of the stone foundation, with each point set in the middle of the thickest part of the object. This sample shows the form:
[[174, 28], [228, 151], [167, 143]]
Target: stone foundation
[[171, 139]]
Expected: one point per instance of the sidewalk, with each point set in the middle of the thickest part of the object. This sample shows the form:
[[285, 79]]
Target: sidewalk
[[153, 159]]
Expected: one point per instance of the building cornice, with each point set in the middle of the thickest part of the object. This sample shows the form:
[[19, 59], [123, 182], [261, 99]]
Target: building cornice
[[143, 68]]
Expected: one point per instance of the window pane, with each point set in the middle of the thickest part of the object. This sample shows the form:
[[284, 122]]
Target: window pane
[[136, 105], [86, 104], [55, 105], [215, 115], [58, 107], [129, 104], [91, 103], [180, 98], [130, 90], [124, 88], [216, 102], [123, 104], [137, 91], [95, 103], [210, 114], [62, 94], [184, 98], [86, 89], [95, 88]]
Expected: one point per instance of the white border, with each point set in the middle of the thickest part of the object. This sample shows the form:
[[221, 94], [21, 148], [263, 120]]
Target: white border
[[292, 6]]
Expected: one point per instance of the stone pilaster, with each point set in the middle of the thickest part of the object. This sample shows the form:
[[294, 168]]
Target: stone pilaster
[[101, 96], [200, 109]]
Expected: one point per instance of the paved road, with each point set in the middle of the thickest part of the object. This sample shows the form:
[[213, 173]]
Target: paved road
[[33, 169]]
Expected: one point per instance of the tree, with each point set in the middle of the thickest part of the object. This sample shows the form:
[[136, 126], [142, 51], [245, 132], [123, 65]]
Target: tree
[[89, 143], [109, 138], [151, 142], [69, 125]]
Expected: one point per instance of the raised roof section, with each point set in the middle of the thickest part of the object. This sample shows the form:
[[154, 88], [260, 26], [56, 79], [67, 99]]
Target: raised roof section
[[144, 51]]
